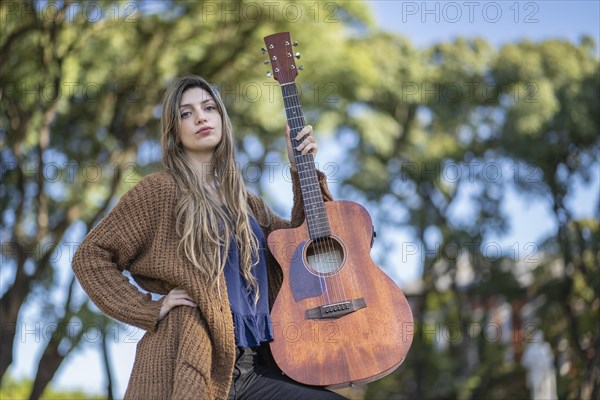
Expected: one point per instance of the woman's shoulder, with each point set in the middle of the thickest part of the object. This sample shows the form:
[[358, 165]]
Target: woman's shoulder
[[158, 186], [156, 181]]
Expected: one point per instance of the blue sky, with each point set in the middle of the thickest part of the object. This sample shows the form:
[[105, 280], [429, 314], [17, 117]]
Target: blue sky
[[499, 22], [424, 23]]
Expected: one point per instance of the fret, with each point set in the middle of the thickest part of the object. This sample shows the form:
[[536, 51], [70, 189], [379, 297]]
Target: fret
[[319, 227], [310, 195], [305, 166], [312, 201], [306, 174], [320, 234], [314, 207], [311, 188], [306, 183], [318, 216], [322, 223], [320, 230]]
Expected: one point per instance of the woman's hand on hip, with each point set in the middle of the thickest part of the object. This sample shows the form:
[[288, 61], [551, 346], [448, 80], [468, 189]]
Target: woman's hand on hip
[[176, 297]]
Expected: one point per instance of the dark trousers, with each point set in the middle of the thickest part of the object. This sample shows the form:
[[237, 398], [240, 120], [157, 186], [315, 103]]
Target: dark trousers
[[253, 378]]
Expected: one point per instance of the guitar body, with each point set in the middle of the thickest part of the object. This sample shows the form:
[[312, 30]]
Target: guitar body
[[337, 319], [357, 347]]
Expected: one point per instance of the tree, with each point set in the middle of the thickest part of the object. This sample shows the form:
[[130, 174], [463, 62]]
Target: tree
[[81, 85], [442, 124], [425, 130]]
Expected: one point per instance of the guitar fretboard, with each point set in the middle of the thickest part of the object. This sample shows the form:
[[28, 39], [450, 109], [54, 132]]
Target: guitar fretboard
[[314, 207]]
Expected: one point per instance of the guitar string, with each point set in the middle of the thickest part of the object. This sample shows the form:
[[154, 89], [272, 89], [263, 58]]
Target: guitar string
[[320, 244], [330, 261], [320, 252], [325, 246], [295, 128]]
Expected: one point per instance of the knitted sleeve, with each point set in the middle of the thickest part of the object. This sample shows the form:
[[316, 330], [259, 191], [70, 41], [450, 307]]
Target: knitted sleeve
[[112, 246], [272, 221]]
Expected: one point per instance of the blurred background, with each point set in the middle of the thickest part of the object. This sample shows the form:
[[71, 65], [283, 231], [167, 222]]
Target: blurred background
[[469, 130]]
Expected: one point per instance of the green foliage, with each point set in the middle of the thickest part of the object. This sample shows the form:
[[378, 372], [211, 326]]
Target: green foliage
[[13, 389], [80, 126]]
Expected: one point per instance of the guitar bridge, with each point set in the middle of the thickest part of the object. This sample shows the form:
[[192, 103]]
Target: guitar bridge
[[336, 310]]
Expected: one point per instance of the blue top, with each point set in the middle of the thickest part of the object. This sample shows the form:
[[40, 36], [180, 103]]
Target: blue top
[[252, 325]]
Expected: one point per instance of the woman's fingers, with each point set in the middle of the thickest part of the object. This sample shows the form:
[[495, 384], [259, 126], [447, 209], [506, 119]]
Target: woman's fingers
[[182, 302], [179, 297], [176, 297], [308, 144], [306, 131]]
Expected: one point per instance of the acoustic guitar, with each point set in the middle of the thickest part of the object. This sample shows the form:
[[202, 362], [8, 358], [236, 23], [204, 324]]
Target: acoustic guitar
[[338, 319]]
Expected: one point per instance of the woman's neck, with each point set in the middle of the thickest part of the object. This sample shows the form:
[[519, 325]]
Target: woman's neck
[[203, 166]]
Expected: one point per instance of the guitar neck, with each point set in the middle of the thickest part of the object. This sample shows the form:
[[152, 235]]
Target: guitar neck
[[314, 207]]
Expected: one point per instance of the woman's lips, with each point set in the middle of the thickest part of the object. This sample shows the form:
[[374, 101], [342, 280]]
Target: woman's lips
[[204, 130]]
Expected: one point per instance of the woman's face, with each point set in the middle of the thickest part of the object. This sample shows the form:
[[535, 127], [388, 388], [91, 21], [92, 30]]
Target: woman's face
[[201, 124]]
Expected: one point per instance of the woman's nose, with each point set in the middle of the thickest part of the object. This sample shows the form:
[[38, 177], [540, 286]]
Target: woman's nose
[[200, 117]]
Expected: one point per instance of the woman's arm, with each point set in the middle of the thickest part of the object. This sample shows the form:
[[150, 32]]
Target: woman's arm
[[269, 219], [113, 245]]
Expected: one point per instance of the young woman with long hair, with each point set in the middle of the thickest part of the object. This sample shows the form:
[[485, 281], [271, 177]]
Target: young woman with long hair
[[196, 235]]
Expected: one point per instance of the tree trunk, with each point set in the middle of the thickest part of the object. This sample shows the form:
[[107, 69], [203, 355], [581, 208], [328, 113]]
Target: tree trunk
[[107, 368], [12, 301]]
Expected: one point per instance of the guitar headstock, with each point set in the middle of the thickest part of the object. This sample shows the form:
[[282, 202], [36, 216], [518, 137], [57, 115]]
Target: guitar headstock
[[281, 57]]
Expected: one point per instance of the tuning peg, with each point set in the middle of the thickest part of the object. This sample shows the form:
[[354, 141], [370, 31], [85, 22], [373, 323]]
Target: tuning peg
[[263, 50], [295, 43], [269, 74], [301, 67], [297, 55], [266, 62]]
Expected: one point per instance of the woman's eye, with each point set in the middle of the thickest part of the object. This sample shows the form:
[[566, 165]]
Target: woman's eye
[[211, 108], [185, 114]]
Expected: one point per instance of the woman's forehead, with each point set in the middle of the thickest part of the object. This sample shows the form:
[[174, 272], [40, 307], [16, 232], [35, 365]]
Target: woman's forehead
[[195, 95]]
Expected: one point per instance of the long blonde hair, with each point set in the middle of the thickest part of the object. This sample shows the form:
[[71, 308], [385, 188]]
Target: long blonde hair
[[204, 226]]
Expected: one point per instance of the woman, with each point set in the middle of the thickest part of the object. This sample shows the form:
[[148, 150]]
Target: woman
[[194, 234]]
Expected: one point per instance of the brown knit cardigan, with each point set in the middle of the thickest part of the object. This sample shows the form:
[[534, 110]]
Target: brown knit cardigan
[[190, 353]]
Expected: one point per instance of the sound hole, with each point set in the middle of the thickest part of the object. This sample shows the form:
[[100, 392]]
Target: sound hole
[[325, 256]]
